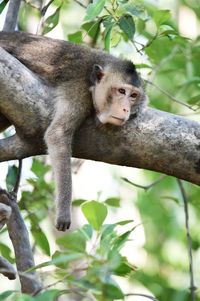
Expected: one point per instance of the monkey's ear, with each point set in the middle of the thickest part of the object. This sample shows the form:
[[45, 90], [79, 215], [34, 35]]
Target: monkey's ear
[[97, 74]]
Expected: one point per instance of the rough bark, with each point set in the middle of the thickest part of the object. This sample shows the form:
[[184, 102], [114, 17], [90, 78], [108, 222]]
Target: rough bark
[[12, 15], [20, 240], [152, 140]]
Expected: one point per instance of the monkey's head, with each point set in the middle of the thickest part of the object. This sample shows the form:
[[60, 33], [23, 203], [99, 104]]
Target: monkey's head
[[116, 93]]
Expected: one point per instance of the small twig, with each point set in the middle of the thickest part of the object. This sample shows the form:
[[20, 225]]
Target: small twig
[[142, 295], [169, 95], [149, 42], [192, 288], [32, 5], [79, 3], [12, 15], [17, 182], [7, 269], [146, 188], [44, 9]]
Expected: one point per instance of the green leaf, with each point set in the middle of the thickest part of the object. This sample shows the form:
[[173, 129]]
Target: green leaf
[[11, 177], [2, 5], [161, 16], [5, 295], [94, 9], [75, 241], [52, 21], [111, 290], [95, 213], [108, 24], [78, 202], [76, 37], [115, 37], [22, 297], [194, 100], [135, 11], [121, 240], [41, 240], [39, 169], [107, 39], [47, 295], [127, 25], [92, 28], [61, 259], [122, 223], [123, 269], [6, 252], [114, 202], [87, 231]]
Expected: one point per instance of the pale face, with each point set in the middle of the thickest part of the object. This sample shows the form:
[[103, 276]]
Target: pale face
[[113, 99]]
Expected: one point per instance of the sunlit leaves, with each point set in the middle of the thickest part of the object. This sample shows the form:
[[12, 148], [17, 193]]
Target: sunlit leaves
[[52, 21], [76, 37], [127, 25], [114, 202], [41, 240], [95, 212], [161, 16], [94, 9], [75, 241]]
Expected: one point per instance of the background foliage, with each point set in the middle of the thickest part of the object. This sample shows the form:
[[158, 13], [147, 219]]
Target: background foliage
[[88, 263]]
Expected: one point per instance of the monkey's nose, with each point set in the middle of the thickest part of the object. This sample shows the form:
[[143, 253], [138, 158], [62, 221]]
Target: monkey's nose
[[126, 110]]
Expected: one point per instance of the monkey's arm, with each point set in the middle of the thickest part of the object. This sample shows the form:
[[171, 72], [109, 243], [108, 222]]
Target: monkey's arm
[[154, 140]]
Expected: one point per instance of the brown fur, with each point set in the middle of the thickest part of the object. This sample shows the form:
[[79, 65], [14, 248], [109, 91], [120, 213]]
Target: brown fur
[[82, 79]]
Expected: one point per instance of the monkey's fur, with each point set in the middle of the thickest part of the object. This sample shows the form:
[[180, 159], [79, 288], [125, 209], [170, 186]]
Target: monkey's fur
[[83, 80]]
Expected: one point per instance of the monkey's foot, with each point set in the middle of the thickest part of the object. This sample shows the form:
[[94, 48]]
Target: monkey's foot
[[63, 223]]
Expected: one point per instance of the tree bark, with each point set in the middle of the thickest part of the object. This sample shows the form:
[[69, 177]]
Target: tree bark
[[153, 140], [20, 240]]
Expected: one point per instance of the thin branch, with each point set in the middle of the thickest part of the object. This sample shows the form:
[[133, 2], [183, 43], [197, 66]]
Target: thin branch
[[192, 288], [20, 239], [44, 9], [17, 182], [7, 269], [12, 15], [146, 188], [170, 96], [79, 3], [142, 295], [32, 5]]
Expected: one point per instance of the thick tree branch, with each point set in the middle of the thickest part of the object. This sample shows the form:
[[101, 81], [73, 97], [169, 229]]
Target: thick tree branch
[[153, 140], [20, 240], [11, 16]]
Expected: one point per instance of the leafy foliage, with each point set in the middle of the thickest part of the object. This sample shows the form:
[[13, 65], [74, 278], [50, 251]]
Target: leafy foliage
[[88, 259]]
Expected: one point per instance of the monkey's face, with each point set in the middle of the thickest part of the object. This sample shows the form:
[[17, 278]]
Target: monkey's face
[[113, 98]]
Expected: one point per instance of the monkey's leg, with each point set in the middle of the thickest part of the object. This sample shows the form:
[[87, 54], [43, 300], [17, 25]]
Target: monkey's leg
[[59, 139], [59, 148], [4, 123]]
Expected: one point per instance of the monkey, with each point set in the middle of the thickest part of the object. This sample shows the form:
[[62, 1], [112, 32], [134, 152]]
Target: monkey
[[85, 81]]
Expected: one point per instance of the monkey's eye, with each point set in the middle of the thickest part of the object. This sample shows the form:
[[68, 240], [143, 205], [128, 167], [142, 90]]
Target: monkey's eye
[[134, 95], [122, 91]]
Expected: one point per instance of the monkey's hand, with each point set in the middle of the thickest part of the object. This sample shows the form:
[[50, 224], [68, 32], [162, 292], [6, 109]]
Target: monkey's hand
[[63, 220]]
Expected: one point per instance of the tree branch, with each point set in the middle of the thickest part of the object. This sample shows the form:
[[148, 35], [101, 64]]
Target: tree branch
[[193, 288], [11, 16], [7, 269], [153, 140], [20, 240]]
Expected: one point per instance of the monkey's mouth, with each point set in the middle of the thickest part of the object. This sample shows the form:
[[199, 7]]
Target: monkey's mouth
[[118, 118], [121, 120]]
